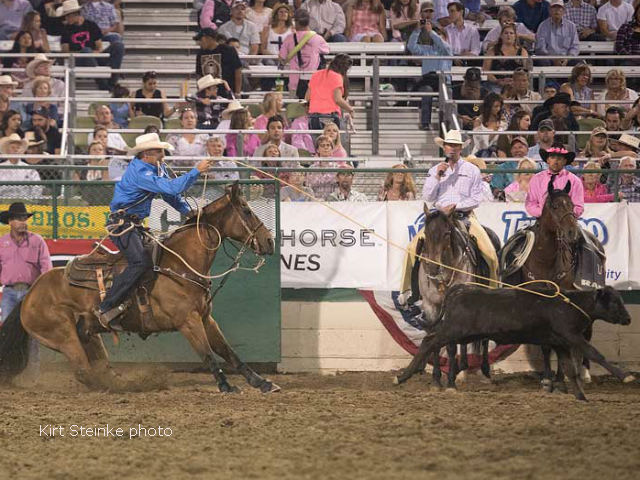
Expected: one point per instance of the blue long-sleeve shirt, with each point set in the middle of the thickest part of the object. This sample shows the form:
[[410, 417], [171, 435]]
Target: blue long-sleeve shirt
[[439, 47], [532, 17], [141, 178], [553, 39]]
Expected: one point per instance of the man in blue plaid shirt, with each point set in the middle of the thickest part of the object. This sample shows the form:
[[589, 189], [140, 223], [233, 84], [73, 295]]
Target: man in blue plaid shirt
[[105, 16], [629, 183], [584, 16]]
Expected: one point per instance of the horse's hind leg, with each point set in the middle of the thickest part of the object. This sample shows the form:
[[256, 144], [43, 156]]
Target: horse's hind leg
[[193, 329], [223, 349]]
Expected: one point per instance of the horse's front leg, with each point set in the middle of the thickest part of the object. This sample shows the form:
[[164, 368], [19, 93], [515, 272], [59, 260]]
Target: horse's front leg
[[223, 349], [193, 329]]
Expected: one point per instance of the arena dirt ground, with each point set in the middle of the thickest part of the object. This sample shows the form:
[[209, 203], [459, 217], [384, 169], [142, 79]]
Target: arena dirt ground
[[349, 426]]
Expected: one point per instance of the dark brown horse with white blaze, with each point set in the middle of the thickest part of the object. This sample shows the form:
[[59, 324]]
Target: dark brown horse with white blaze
[[553, 257], [52, 309]]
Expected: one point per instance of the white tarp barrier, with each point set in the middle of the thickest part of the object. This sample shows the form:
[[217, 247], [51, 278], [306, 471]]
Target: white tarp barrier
[[367, 263]]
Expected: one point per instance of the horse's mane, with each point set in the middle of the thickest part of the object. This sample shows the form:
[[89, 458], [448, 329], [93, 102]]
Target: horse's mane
[[212, 206]]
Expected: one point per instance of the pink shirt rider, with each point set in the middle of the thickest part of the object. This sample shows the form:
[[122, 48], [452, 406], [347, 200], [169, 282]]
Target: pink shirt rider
[[538, 191], [25, 262]]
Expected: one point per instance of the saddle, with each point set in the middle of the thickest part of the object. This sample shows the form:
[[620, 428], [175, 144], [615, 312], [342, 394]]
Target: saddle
[[95, 271], [589, 271]]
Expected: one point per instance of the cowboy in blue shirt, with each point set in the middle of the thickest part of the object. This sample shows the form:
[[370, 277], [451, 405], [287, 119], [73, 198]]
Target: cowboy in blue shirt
[[145, 177]]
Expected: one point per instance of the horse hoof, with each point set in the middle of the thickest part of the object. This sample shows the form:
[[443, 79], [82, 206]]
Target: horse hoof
[[269, 387], [547, 386], [585, 375], [226, 388], [629, 378]]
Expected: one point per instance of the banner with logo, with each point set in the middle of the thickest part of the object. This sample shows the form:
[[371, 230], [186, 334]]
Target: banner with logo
[[73, 222], [364, 265], [633, 210], [323, 249]]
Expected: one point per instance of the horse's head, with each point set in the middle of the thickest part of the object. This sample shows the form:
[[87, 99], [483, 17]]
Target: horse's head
[[438, 230], [609, 307], [238, 222], [557, 214]]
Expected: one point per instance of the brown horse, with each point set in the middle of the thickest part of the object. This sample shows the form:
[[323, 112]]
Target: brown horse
[[52, 309], [553, 257]]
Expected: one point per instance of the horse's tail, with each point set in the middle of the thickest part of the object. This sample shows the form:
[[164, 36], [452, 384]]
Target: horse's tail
[[14, 346]]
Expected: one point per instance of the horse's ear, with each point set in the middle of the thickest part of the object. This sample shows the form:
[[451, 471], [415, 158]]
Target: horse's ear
[[235, 190], [567, 187]]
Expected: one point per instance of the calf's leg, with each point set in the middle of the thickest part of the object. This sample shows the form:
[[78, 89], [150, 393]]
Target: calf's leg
[[547, 384], [428, 343], [591, 353], [485, 367], [570, 362]]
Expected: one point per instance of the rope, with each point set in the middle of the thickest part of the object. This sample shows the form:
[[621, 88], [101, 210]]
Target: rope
[[428, 260]]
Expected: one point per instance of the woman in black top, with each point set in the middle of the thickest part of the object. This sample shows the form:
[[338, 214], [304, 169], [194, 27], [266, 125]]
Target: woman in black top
[[508, 46], [149, 90]]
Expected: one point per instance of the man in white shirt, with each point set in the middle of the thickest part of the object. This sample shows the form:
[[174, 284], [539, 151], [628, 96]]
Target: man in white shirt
[[463, 37], [247, 33], [612, 15], [275, 132], [103, 117], [14, 145], [327, 19]]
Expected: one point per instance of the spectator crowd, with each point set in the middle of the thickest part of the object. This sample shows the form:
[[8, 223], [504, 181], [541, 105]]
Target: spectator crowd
[[216, 120]]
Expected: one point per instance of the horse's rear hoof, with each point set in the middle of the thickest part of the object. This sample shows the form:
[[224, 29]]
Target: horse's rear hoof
[[547, 386], [269, 387], [629, 378]]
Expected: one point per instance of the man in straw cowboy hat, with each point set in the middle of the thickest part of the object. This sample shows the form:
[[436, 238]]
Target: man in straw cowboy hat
[[14, 145], [454, 187], [40, 66], [145, 177], [24, 256]]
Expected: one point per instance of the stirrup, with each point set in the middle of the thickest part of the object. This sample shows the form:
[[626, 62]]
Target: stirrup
[[106, 319]]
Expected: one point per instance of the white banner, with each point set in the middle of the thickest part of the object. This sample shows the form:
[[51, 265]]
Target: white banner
[[321, 249], [608, 221]]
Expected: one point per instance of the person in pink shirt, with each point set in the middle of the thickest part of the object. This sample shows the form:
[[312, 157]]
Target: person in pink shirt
[[556, 157], [307, 58], [594, 191], [24, 256]]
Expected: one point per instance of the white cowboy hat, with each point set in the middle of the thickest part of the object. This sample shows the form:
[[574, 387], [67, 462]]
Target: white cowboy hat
[[208, 81], [30, 138], [13, 138], [7, 80], [453, 137], [234, 106], [629, 140], [149, 141], [68, 6], [33, 64]]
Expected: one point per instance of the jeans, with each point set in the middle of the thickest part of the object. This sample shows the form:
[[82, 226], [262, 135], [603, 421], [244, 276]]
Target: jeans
[[10, 299], [428, 83], [337, 37], [317, 121], [138, 262], [116, 53]]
